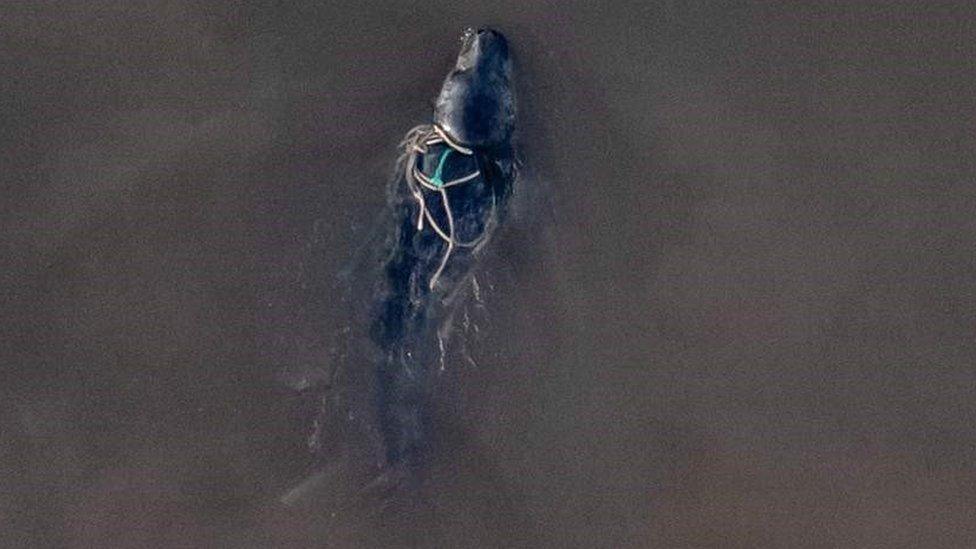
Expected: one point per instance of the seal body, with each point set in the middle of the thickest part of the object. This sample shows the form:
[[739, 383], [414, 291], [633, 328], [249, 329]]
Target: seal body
[[450, 192]]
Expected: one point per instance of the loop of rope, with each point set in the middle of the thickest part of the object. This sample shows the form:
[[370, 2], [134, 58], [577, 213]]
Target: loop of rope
[[417, 141]]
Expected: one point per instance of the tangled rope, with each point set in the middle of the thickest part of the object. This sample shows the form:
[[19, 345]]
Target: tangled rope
[[417, 142]]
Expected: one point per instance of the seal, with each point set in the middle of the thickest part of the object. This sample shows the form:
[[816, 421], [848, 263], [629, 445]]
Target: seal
[[451, 186], [450, 192]]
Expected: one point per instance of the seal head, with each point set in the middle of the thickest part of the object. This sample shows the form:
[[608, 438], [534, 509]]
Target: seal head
[[475, 107]]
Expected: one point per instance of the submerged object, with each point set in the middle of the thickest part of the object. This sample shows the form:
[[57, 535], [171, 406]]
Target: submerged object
[[449, 193]]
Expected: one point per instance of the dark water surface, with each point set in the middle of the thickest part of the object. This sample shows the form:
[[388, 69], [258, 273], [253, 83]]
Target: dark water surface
[[738, 308]]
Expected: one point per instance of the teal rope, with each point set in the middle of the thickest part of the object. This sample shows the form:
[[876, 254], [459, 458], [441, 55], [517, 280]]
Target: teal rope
[[436, 178]]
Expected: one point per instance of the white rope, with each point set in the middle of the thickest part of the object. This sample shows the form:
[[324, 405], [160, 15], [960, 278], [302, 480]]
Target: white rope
[[418, 140]]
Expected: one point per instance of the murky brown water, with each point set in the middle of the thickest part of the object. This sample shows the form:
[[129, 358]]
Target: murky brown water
[[744, 317]]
